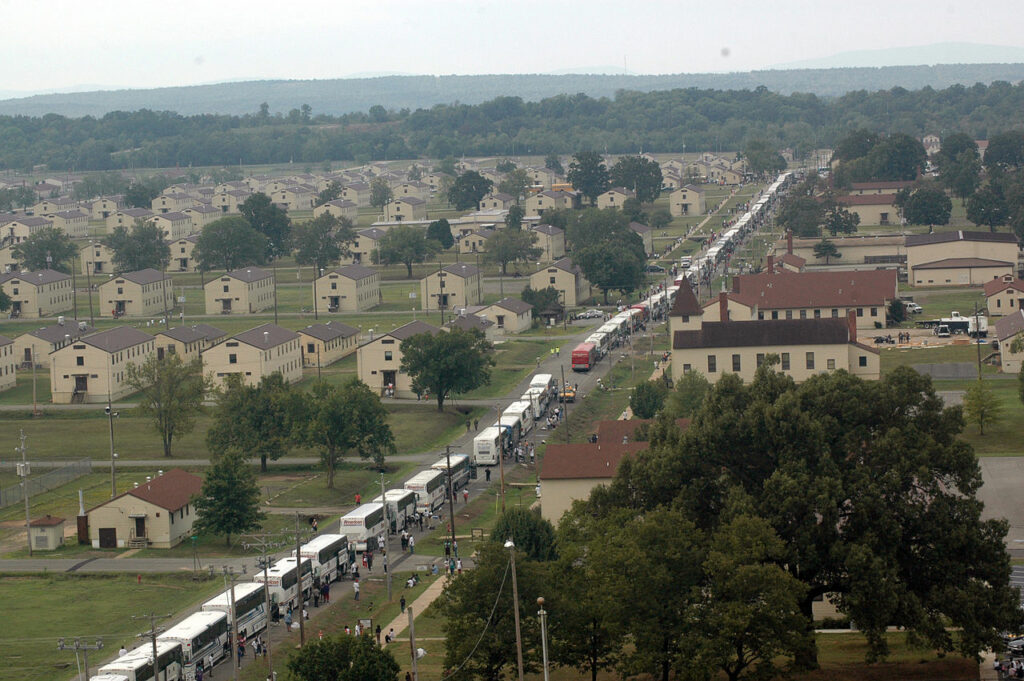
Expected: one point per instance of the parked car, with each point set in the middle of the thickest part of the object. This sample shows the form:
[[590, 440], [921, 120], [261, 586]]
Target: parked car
[[656, 268], [590, 314]]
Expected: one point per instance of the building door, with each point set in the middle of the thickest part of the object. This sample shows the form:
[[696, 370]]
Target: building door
[[389, 383], [225, 306], [28, 355], [335, 303], [16, 308], [183, 264], [108, 538], [159, 353], [81, 383], [140, 527], [119, 308]]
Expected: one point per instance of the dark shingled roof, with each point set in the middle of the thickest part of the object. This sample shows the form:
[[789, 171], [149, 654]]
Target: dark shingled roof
[[467, 322], [784, 289], [170, 491], [248, 275], [372, 232], [4, 340], [994, 286], [56, 332], [275, 335], [514, 305], [355, 272], [947, 237], [565, 264], [46, 521], [586, 460], [1010, 325], [962, 262], [36, 278], [191, 334], [329, 331], [142, 277], [685, 302], [413, 328], [461, 270], [548, 229], [116, 339], [829, 331]]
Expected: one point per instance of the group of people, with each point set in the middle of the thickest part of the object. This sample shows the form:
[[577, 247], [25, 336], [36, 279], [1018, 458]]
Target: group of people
[[1013, 669]]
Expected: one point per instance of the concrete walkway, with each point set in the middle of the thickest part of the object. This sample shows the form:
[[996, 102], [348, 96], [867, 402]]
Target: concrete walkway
[[419, 606]]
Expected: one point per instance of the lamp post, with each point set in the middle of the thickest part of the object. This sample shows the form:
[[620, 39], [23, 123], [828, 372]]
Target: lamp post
[[543, 614], [111, 414], [515, 607], [88, 281]]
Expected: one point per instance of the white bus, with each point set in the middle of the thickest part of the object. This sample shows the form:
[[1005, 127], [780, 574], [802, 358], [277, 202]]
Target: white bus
[[250, 607], [601, 341], [460, 469], [363, 523], [545, 381], [429, 489], [282, 580], [138, 664], [537, 399], [400, 504], [487, 446], [329, 553], [513, 427], [201, 635], [524, 412]]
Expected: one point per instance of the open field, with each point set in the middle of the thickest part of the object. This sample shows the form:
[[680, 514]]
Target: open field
[[46, 607]]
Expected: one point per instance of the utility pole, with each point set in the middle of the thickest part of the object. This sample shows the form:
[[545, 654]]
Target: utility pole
[[236, 661], [387, 535], [977, 338], [110, 420], [565, 416], [451, 495], [153, 631], [543, 634], [412, 643], [88, 279], [35, 404], [23, 470], [263, 541], [84, 647], [515, 607], [298, 572]]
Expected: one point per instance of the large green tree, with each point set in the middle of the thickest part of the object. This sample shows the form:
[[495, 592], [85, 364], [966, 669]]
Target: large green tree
[[256, 421], [467, 190], [981, 406], [763, 158], [988, 208], [441, 232], [838, 466], [269, 220], [343, 658], [229, 243], [447, 363], [826, 248], [229, 501], [331, 192], [49, 247], [141, 248], [515, 183], [170, 392], [511, 246], [381, 193], [407, 245], [648, 398], [927, 206], [479, 627], [1005, 150], [801, 214], [552, 162], [838, 220], [542, 299], [323, 240], [346, 419], [616, 263], [532, 535], [589, 175], [640, 174]]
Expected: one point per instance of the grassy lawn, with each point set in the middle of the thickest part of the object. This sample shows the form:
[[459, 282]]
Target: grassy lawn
[[514, 360], [940, 303], [1001, 438], [21, 393], [935, 354], [52, 606]]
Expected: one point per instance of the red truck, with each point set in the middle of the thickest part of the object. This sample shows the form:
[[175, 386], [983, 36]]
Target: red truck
[[584, 356]]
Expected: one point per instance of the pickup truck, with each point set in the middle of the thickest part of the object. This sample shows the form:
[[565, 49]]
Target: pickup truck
[[567, 394]]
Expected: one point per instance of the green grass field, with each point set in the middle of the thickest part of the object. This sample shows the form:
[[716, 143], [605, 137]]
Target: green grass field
[[46, 607]]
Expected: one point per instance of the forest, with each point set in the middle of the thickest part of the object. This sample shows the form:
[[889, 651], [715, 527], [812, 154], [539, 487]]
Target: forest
[[630, 122]]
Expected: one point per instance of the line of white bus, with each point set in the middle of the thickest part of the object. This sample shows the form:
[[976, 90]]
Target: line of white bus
[[363, 523], [202, 635]]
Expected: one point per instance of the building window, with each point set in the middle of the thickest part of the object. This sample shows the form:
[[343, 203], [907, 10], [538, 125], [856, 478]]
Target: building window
[[760, 358], [712, 364], [817, 314], [789, 314], [803, 314], [736, 363], [831, 364], [860, 311], [80, 361], [760, 315], [388, 355], [775, 314], [232, 359], [551, 280], [225, 289], [810, 360], [874, 312], [862, 361], [687, 368], [835, 312]]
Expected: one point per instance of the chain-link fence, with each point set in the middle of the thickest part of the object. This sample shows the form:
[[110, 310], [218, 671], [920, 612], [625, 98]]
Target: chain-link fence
[[45, 481]]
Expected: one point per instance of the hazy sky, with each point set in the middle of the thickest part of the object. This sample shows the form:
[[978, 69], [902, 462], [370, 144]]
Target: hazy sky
[[142, 43]]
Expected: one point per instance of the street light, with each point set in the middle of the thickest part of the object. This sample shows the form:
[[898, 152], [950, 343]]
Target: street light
[[543, 634], [515, 607]]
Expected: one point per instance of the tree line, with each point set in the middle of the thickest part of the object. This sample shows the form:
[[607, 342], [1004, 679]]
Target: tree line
[[661, 121]]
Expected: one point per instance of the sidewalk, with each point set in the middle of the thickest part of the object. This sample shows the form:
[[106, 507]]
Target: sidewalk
[[418, 606]]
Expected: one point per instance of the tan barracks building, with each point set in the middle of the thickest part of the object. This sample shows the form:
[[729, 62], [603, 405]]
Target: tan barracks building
[[157, 514], [960, 258], [254, 354]]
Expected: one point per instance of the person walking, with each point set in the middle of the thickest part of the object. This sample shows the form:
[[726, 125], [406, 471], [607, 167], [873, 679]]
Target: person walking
[[199, 672], [355, 587], [458, 565], [412, 544], [476, 424], [377, 633], [465, 496], [209, 665], [401, 603], [359, 498]]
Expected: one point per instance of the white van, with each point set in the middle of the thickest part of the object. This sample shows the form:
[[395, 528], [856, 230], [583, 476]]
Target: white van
[[487, 446]]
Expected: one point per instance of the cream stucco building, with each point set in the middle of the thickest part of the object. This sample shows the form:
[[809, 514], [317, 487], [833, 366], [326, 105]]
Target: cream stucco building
[[566, 278], [687, 200], [325, 344], [347, 289], [960, 258], [379, 361], [158, 514], [37, 294], [39, 343], [510, 315], [453, 286], [254, 354], [240, 292], [136, 294], [95, 368], [1004, 295], [8, 364], [188, 342]]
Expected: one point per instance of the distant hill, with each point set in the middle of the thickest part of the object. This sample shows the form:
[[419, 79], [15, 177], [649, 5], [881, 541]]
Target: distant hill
[[339, 96], [939, 53]]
